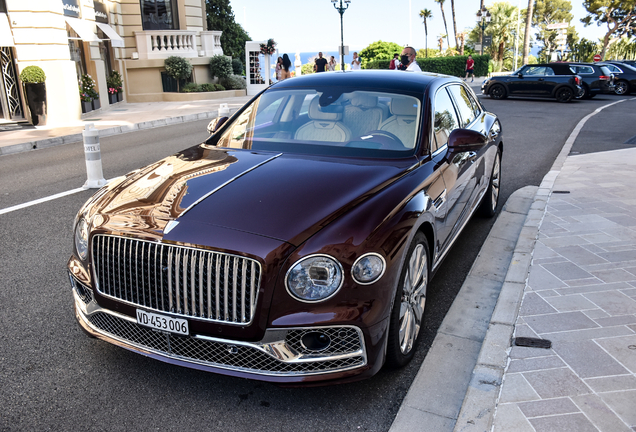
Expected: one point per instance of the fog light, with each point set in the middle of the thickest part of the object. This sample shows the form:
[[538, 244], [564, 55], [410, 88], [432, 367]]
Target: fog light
[[315, 341]]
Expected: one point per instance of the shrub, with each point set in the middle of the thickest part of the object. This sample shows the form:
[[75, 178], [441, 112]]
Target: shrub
[[114, 81], [207, 87], [218, 87], [220, 66], [32, 75], [455, 66], [178, 68], [87, 88], [191, 88], [237, 66], [233, 82]]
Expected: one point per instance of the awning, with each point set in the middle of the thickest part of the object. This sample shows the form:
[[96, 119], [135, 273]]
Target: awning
[[115, 39], [84, 29], [6, 37]]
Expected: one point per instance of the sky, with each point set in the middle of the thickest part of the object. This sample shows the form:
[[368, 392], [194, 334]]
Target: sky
[[314, 25]]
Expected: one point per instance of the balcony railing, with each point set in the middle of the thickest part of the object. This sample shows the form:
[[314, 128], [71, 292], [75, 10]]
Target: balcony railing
[[161, 44]]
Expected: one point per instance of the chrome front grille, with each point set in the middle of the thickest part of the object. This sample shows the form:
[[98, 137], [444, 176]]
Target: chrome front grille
[[227, 355], [195, 283]]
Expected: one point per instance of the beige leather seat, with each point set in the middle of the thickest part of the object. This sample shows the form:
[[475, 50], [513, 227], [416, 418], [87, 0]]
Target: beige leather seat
[[323, 126], [363, 114], [402, 123]]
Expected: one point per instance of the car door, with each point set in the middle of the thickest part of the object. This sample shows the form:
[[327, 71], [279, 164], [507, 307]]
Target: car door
[[530, 82], [458, 172]]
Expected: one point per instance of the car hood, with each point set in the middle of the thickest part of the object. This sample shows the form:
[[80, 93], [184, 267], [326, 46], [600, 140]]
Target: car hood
[[280, 196]]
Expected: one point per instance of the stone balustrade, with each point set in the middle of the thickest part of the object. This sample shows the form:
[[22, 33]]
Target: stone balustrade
[[161, 44]]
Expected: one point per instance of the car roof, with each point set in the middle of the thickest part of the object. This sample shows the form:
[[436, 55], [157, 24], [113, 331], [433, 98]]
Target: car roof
[[381, 79]]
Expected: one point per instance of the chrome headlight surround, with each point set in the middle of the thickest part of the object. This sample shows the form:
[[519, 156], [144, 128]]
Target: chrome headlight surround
[[81, 238], [368, 268], [314, 278]]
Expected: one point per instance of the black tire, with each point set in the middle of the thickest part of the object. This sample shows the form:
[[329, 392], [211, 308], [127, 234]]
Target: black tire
[[488, 206], [621, 88], [564, 94], [407, 315], [584, 93], [497, 91]]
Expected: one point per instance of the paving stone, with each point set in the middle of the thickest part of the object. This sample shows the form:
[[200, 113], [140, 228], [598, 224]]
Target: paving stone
[[628, 255], [617, 275], [623, 403], [559, 322], [578, 255], [566, 271], [587, 359], [613, 383], [588, 334], [563, 241], [613, 302], [616, 320], [597, 238], [619, 348], [600, 414], [563, 423], [593, 288], [538, 363], [517, 389], [540, 279], [584, 282], [533, 304], [510, 418], [556, 383], [548, 293], [596, 314], [570, 303], [548, 407]]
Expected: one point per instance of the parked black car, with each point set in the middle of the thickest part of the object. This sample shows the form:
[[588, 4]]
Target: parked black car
[[555, 80], [625, 77], [596, 79]]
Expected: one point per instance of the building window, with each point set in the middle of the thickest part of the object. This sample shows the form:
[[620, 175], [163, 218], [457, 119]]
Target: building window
[[159, 14], [3, 6]]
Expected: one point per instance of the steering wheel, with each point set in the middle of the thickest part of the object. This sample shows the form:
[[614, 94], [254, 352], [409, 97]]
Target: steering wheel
[[388, 140]]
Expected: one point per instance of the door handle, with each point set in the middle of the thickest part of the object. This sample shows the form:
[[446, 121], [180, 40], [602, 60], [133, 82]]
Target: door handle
[[540, 79]]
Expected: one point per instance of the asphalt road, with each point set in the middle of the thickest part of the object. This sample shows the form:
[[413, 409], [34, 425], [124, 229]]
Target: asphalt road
[[52, 377]]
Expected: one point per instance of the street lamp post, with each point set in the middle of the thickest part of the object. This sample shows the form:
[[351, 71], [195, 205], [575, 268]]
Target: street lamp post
[[341, 10], [483, 17]]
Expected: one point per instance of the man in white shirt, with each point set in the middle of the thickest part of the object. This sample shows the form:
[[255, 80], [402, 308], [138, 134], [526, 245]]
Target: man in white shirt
[[408, 60], [355, 64]]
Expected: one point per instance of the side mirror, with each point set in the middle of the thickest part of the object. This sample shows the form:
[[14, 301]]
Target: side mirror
[[465, 140], [216, 124], [520, 75]]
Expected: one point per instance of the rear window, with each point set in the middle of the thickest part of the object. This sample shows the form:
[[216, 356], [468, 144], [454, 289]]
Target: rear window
[[586, 70]]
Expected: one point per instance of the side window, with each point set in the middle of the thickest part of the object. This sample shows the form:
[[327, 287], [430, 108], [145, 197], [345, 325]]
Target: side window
[[613, 68], [267, 115], [534, 70], [445, 118], [549, 71], [463, 104]]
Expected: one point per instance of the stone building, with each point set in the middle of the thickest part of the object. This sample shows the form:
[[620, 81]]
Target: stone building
[[69, 38]]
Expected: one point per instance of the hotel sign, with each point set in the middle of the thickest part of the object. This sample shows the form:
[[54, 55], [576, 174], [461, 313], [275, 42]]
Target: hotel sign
[[101, 13]]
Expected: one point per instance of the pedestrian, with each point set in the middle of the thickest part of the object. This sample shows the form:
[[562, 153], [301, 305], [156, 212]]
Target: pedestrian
[[332, 64], [279, 67], [320, 64], [285, 65], [355, 63], [407, 60], [395, 62], [470, 68]]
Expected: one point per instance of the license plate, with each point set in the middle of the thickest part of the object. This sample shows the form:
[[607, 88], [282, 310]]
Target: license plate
[[162, 322]]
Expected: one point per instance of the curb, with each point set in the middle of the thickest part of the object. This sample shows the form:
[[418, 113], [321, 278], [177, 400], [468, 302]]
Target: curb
[[116, 130], [480, 403]]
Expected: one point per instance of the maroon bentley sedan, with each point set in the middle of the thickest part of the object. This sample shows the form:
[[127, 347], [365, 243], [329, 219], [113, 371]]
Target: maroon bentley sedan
[[295, 245]]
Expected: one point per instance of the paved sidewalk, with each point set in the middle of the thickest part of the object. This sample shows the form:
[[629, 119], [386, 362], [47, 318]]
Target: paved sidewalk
[[580, 295], [120, 118]]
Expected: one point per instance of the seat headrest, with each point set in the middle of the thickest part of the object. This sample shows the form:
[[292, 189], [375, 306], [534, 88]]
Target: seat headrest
[[316, 113], [364, 100], [403, 107]]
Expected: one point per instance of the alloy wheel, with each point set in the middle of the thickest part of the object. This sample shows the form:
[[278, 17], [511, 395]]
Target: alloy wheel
[[495, 183], [620, 88], [413, 298]]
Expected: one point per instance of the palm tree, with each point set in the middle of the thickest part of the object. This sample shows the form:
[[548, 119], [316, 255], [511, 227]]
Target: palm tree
[[501, 28], [462, 41], [526, 36], [454, 22], [426, 14], [441, 6]]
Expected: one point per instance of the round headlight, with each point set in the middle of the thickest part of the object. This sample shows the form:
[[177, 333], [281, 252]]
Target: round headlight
[[314, 278], [368, 268], [81, 238]]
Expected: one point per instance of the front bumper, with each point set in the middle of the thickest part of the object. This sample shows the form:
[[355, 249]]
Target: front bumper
[[279, 357]]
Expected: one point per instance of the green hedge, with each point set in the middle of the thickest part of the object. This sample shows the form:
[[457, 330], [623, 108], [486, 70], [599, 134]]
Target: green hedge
[[455, 65]]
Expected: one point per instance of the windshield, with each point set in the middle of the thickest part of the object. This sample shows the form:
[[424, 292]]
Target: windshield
[[327, 121]]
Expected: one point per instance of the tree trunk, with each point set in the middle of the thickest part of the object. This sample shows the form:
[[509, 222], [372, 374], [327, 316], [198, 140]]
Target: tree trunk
[[526, 36], [426, 39], [445, 27], [454, 22]]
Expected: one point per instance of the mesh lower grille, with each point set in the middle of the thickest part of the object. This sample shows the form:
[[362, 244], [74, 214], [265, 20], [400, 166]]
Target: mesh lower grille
[[229, 356], [186, 281]]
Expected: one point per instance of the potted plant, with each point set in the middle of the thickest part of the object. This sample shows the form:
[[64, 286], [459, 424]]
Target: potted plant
[[85, 100], [88, 86], [114, 83], [178, 68], [33, 78]]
